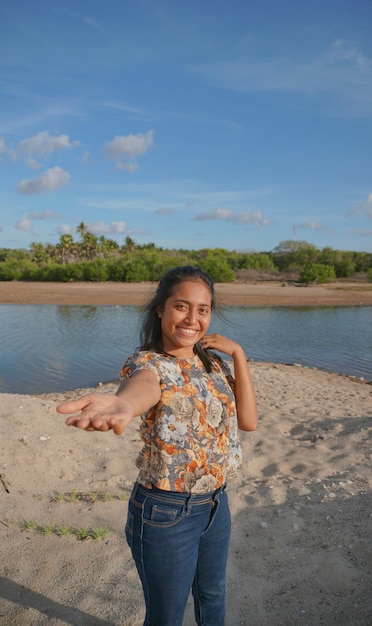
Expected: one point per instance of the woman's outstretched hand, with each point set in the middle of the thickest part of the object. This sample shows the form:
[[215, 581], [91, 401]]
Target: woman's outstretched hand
[[99, 411]]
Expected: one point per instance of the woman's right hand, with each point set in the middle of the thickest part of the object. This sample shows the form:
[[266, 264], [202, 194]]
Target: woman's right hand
[[105, 411], [99, 411]]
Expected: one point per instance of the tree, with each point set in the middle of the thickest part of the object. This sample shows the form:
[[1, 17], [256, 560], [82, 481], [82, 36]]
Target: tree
[[65, 247], [317, 272], [38, 253], [107, 245], [292, 255], [82, 229], [215, 263], [129, 244], [90, 246]]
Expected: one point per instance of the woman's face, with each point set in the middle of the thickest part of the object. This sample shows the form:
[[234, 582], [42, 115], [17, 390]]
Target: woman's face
[[185, 317]]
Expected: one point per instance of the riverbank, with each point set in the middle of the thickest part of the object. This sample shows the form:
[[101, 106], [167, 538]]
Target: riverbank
[[265, 293], [301, 510]]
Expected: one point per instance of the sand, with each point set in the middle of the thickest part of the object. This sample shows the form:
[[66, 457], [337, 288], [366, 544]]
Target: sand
[[264, 293], [301, 510]]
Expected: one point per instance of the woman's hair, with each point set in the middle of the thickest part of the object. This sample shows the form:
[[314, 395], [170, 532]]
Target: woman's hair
[[151, 334]]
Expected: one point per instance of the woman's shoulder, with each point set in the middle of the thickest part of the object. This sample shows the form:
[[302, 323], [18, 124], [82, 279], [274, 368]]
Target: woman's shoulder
[[141, 359]]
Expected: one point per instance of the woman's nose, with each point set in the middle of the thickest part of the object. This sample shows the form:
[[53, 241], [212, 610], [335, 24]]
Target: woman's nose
[[191, 316]]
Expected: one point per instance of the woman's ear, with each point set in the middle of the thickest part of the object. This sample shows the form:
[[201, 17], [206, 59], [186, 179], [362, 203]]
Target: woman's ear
[[159, 311]]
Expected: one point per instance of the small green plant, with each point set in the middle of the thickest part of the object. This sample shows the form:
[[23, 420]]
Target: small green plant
[[100, 532], [63, 531], [74, 496], [107, 497], [58, 497], [93, 497], [83, 534], [28, 524], [123, 496], [47, 529]]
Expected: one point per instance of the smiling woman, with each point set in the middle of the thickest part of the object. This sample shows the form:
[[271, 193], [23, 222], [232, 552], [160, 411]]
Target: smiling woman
[[191, 408], [185, 317]]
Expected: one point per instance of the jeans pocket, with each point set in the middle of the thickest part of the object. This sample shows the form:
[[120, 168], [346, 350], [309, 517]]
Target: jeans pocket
[[162, 514], [129, 529]]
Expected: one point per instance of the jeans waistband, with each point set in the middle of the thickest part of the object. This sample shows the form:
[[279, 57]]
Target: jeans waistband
[[179, 496]]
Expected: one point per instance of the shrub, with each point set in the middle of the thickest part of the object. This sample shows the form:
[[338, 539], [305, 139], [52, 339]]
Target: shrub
[[317, 272], [217, 267], [11, 270], [96, 271], [369, 274]]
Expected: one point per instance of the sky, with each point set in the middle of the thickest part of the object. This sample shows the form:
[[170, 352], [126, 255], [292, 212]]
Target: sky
[[188, 124]]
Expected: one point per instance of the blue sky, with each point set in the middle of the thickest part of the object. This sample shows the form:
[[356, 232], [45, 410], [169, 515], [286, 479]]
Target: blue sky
[[189, 124]]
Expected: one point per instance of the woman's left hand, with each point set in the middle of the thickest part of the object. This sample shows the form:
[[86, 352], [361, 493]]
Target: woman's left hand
[[244, 390], [220, 343]]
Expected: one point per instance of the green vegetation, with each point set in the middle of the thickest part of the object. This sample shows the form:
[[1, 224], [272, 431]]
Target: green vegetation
[[96, 532], [28, 524], [65, 530], [92, 497], [317, 272], [98, 259]]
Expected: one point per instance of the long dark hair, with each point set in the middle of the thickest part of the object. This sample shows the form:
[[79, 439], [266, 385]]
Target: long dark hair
[[151, 335]]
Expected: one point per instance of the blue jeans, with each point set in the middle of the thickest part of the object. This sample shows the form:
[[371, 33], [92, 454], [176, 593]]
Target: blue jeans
[[180, 541]]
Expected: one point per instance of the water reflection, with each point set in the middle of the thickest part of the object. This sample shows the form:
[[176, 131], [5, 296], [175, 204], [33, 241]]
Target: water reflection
[[57, 348]]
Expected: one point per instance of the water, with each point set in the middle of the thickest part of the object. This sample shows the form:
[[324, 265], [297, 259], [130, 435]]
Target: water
[[59, 348]]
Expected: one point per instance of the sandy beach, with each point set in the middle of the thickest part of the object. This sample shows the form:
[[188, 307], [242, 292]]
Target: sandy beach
[[262, 293], [301, 505]]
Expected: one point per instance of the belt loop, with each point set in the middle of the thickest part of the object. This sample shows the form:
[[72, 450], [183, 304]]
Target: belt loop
[[135, 489], [187, 503]]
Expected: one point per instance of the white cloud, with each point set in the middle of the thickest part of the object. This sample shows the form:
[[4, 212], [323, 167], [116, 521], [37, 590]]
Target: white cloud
[[243, 217], [65, 229], [4, 148], [362, 233], [33, 164], [126, 108], [164, 211], [85, 157], [44, 215], [24, 223], [44, 143], [312, 225], [50, 180], [118, 205], [129, 146], [341, 71], [364, 209], [128, 167], [101, 228]]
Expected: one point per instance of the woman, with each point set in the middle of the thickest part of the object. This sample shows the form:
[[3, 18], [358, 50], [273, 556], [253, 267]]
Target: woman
[[178, 525]]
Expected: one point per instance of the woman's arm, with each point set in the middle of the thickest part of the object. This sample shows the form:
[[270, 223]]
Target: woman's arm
[[103, 411], [245, 395]]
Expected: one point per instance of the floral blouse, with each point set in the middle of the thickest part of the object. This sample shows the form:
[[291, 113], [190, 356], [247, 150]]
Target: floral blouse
[[190, 436]]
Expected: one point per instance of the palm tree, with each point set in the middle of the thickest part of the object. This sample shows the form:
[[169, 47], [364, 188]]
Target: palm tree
[[82, 229], [129, 244], [39, 254], [65, 247], [90, 246]]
